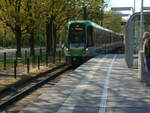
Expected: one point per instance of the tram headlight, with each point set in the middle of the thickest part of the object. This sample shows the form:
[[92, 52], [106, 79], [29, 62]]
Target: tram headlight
[[86, 49], [67, 49]]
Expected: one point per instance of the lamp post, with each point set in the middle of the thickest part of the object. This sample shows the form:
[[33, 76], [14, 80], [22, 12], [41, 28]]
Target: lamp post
[[141, 25], [102, 12], [134, 7], [85, 12], [85, 15]]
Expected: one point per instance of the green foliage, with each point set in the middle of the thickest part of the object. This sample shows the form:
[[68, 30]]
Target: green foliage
[[113, 22], [33, 15]]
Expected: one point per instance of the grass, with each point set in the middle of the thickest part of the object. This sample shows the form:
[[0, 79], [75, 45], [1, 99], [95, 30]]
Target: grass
[[24, 76]]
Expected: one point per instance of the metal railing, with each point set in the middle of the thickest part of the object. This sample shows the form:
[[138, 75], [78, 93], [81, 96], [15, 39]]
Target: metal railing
[[16, 65]]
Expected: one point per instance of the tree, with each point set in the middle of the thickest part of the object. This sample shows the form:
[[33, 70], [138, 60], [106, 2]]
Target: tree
[[113, 22], [55, 8], [11, 15], [49, 17], [30, 24]]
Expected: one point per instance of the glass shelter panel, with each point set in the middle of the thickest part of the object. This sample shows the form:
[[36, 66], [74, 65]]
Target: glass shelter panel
[[136, 35]]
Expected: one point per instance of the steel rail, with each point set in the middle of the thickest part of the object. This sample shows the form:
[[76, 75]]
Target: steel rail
[[26, 92]]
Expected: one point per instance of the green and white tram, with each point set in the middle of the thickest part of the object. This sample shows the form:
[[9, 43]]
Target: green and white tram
[[85, 39]]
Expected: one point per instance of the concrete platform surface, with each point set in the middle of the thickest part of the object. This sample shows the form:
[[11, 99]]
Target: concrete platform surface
[[104, 84]]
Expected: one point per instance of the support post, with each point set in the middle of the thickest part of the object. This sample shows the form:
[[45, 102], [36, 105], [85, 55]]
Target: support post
[[15, 69], [46, 59], [142, 70], [28, 65], [38, 62], [4, 60]]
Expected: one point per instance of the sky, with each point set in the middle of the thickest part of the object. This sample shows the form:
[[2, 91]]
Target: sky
[[128, 3]]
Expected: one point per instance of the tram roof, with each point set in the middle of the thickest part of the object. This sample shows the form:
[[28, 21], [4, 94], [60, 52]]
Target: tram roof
[[87, 22]]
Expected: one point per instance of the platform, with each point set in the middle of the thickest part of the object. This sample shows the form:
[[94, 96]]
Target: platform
[[104, 84]]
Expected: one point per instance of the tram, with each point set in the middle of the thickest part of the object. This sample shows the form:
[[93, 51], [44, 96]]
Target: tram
[[86, 39]]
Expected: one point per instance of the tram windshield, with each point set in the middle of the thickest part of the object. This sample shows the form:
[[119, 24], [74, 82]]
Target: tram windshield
[[76, 35]]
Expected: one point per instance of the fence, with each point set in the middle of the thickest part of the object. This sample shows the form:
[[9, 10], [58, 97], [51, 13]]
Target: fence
[[16, 65]]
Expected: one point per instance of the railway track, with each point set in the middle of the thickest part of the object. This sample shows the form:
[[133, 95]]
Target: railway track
[[13, 94]]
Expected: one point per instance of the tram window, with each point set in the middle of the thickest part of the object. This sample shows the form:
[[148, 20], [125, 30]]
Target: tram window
[[89, 36], [76, 37], [76, 33]]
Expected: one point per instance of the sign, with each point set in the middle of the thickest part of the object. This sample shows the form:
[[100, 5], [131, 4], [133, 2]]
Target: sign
[[121, 8], [121, 15], [77, 28]]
